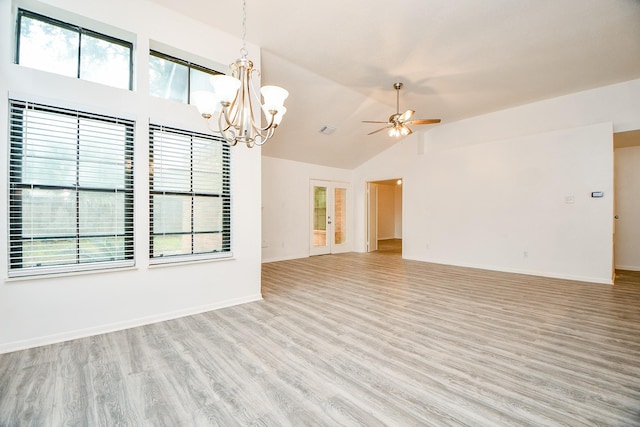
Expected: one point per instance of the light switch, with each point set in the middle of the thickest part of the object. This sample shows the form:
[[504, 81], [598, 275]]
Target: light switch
[[568, 199]]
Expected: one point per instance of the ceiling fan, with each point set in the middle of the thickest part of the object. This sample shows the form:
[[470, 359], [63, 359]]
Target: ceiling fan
[[397, 123]]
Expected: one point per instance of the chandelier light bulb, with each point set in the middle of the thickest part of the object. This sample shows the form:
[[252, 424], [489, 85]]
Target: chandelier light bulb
[[206, 102], [274, 97], [225, 87]]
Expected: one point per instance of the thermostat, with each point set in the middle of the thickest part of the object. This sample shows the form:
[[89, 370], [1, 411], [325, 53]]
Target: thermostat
[[597, 194]]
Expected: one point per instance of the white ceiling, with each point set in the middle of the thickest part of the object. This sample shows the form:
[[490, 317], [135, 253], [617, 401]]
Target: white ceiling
[[456, 58]]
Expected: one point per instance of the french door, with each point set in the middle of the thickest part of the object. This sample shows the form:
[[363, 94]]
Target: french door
[[328, 217]]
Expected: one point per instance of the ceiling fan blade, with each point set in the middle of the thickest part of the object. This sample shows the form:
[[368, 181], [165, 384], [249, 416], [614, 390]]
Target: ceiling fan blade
[[422, 121], [379, 130], [406, 116], [372, 121]]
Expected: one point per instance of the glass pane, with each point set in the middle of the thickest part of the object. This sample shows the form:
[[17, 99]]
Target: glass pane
[[207, 214], [50, 149], [171, 162], [101, 154], [101, 213], [340, 216], [168, 79], [48, 47], [171, 245], [207, 166], [105, 62], [207, 242], [36, 253], [48, 213], [99, 249], [199, 81], [171, 214], [319, 216]]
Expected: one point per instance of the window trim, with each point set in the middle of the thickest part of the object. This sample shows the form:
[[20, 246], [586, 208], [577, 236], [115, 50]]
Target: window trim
[[72, 27]]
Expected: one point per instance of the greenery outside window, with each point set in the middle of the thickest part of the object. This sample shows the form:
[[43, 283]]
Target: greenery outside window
[[190, 196], [176, 79], [62, 48], [71, 190]]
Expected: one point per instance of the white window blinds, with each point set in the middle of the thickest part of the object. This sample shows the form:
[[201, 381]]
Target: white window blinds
[[190, 196], [71, 190]]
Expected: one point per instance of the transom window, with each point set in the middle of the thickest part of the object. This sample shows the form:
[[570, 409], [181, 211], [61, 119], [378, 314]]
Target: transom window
[[71, 190], [190, 195], [176, 79], [59, 47]]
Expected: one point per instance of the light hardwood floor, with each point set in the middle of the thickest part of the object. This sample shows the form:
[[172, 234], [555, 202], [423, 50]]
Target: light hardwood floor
[[355, 339]]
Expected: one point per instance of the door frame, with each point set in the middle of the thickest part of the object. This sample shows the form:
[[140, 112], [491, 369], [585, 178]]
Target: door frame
[[372, 217], [372, 202]]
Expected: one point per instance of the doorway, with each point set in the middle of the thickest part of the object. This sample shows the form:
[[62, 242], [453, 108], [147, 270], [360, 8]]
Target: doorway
[[328, 217], [626, 223], [384, 215]]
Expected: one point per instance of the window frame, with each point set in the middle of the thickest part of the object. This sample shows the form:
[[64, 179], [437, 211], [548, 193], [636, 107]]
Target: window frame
[[16, 170], [80, 30], [186, 63], [225, 195]]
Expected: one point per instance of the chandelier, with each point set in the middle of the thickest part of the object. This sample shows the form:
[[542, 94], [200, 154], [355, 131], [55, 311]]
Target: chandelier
[[239, 101]]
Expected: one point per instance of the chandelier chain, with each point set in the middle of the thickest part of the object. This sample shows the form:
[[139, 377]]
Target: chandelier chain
[[243, 51], [241, 109]]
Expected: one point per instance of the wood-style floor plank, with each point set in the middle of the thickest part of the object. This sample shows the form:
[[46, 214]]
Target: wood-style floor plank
[[355, 339]]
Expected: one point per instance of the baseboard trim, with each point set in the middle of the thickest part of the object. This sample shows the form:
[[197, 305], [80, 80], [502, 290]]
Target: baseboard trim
[[603, 281], [285, 258], [119, 326], [628, 267]]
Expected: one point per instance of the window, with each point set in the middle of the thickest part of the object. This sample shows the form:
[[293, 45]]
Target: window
[[190, 196], [70, 50], [71, 190], [176, 79]]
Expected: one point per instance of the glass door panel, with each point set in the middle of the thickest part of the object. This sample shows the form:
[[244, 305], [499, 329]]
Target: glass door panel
[[319, 216], [340, 216]]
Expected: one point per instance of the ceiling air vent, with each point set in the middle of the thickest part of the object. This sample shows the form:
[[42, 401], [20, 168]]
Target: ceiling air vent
[[327, 129]]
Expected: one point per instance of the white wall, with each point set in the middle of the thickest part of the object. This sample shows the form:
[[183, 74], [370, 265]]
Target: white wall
[[286, 204], [484, 191], [37, 311], [627, 182]]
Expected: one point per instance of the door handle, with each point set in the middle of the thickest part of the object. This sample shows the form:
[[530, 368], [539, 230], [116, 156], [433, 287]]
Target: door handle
[[617, 217]]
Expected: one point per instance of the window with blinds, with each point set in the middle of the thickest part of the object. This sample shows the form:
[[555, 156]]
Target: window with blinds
[[71, 190], [190, 196]]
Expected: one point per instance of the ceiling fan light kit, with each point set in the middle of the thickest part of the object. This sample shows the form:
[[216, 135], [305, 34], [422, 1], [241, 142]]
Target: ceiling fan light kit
[[397, 123]]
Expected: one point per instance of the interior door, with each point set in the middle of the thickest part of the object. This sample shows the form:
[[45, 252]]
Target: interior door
[[328, 217]]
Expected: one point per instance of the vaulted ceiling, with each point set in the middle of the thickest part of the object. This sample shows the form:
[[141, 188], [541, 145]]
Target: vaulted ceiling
[[456, 58]]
